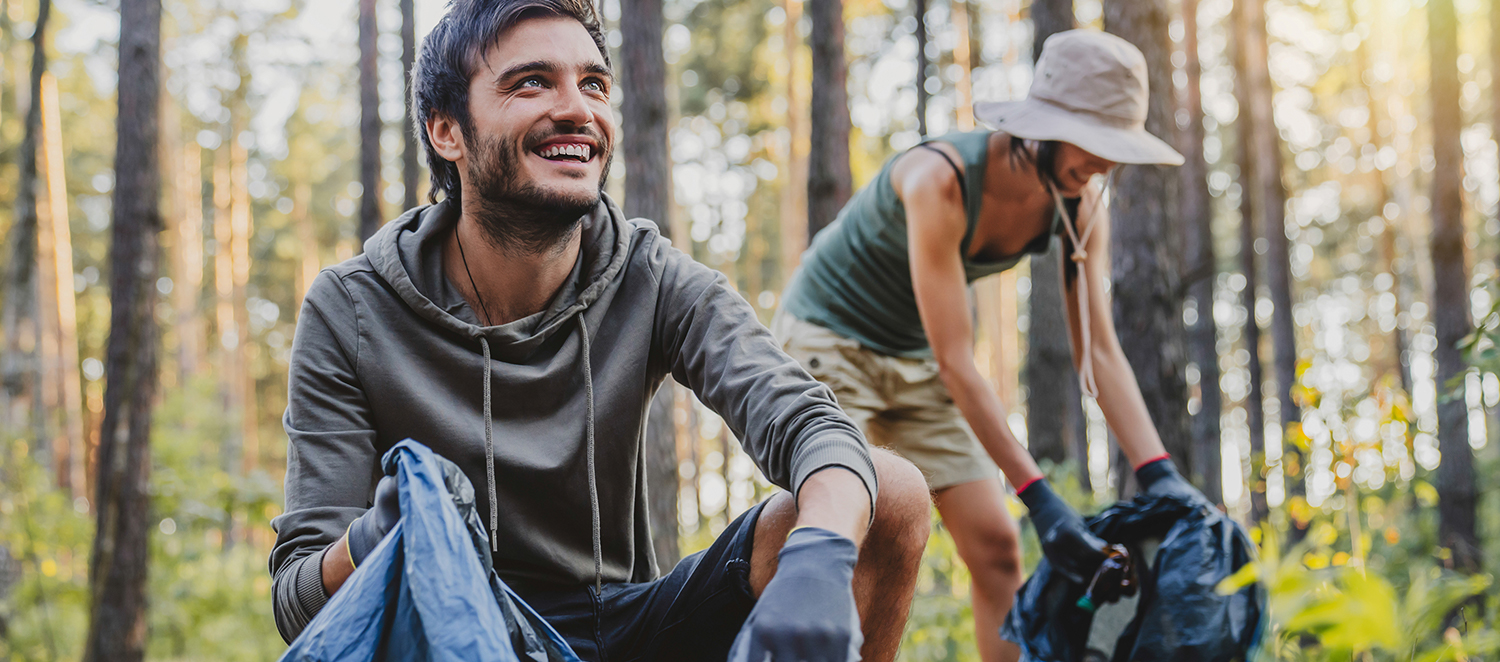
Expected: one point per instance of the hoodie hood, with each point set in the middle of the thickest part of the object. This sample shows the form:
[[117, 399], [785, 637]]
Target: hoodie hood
[[407, 254]]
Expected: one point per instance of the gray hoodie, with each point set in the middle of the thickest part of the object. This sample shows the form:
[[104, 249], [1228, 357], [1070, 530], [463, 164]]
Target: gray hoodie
[[387, 349]]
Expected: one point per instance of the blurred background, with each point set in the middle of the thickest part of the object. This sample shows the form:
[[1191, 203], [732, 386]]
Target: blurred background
[[1309, 303]]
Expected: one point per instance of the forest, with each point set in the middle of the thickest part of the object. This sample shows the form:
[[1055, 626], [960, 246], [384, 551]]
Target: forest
[[1313, 298]]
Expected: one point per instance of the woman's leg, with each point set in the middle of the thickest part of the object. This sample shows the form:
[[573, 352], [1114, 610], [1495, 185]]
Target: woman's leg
[[989, 542]]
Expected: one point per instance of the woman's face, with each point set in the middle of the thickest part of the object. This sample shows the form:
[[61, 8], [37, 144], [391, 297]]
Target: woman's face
[[1075, 167]]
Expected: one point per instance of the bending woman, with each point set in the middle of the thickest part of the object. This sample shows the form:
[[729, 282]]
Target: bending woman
[[879, 308]]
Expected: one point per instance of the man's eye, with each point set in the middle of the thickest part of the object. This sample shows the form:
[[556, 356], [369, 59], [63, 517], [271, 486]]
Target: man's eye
[[532, 82], [595, 85]]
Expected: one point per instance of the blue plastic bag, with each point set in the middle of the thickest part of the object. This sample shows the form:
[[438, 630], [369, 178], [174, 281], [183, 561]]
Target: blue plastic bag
[[423, 593], [1181, 552]]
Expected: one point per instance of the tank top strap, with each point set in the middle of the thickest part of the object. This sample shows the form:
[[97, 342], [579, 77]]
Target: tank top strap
[[973, 150]]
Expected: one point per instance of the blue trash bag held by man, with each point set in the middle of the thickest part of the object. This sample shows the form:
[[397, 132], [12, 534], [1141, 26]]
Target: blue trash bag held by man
[[1182, 551], [426, 592]]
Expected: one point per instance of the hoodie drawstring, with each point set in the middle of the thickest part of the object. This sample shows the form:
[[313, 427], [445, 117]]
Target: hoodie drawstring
[[1086, 364], [489, 451], [588, 389]]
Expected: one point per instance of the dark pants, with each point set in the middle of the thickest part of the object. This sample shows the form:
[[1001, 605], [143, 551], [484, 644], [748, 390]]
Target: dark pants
[[692, 613]]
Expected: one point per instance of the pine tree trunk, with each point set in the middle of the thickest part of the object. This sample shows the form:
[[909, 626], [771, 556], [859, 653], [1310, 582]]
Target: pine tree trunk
[[18, 314], [648, 189], [1200, 272], [1056, 428], [187, 270], [1146, 258], [794, 230], [411, 169], [369, 122], [1245, 136], [117, 578], [1270, 193], [1457, 527], [829, 180], [70, 451], [919, 10]]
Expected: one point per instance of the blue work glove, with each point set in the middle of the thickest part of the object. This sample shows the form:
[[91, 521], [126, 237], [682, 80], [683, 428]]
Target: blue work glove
[[367, 531], [1073, 550], [1159, 477], [806, 613]]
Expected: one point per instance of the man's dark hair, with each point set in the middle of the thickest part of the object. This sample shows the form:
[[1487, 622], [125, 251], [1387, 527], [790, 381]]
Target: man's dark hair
[[455, 48]]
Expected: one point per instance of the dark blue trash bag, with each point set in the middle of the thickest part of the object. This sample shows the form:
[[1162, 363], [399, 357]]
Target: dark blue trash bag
[[1181, 552], [424, 593]]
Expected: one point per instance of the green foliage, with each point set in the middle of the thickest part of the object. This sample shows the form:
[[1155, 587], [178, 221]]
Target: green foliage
[[210, 594]]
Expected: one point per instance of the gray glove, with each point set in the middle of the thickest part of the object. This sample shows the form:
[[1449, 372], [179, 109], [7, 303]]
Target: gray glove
[[806, 613], [367, 531]]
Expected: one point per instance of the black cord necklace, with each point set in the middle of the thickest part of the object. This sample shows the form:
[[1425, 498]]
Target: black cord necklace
[[484, 312]]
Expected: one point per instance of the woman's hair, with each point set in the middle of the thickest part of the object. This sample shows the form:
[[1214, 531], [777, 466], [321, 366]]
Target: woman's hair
[[1042, 157]]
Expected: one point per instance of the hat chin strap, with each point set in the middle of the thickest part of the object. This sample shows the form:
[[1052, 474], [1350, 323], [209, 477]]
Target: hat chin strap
[[1080, 256]]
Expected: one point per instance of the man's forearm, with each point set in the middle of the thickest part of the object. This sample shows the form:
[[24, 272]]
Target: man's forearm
[[836, 499], [337, 566]]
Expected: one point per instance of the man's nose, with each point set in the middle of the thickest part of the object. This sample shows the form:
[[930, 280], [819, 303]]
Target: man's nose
[[572, 107]]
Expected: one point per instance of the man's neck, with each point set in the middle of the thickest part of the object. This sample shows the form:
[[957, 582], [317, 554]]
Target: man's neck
[[504, 284]]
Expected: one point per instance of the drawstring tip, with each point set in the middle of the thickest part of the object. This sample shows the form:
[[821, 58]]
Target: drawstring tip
[[494, 543]]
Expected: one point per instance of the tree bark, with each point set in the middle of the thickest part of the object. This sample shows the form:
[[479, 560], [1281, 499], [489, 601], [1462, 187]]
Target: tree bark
[[18, 316], [1051, 381], [829, 180], [1457, 525], [117, 578], [648, 189], [920, 11], [1271, 196], [369, 122], [411, 170], [1200, 270], [1254, 398], [1146, 262]]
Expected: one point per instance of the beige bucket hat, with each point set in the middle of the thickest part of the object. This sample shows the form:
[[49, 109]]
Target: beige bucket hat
[[1090, 90]]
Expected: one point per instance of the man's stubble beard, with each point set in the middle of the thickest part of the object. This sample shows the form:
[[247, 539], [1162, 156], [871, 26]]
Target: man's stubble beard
[[521, 216]]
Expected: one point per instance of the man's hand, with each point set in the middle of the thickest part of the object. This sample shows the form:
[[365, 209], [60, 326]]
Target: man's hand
[[367, 531], [807, 611], [1159, 477], [1073, 550]]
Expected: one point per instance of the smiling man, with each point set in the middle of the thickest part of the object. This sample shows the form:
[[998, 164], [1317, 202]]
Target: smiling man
[[519, 328]]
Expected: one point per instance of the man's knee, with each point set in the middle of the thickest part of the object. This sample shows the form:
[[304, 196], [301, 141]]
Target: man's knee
[[903, 509]]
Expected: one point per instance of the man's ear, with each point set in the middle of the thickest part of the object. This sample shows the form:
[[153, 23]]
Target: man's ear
[[446, 136]]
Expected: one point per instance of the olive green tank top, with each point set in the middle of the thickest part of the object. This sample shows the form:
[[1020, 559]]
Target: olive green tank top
[[855, 279]]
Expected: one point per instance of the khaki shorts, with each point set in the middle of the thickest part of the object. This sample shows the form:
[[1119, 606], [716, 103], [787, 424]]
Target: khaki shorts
[[899, 403]]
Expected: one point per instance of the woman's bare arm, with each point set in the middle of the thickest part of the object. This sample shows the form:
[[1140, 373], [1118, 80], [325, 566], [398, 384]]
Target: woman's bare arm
[[936, 224], [1119, 394]]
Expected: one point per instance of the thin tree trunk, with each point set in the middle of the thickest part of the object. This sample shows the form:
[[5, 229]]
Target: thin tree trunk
[[1271, 195], [1200, 271], [307, 236], [1457, 527], [188, 271], [369, 122], [829, 180], [1396, 357], [794, 230], [920, 11], [117, 627], [1056, 428], [411, 170], [71, 446], [242, 225], [648, 190], [1146, 261], [1254, 398], [18, 315]]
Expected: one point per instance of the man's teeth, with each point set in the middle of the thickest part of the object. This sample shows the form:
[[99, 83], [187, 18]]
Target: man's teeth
[[577, 150]]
